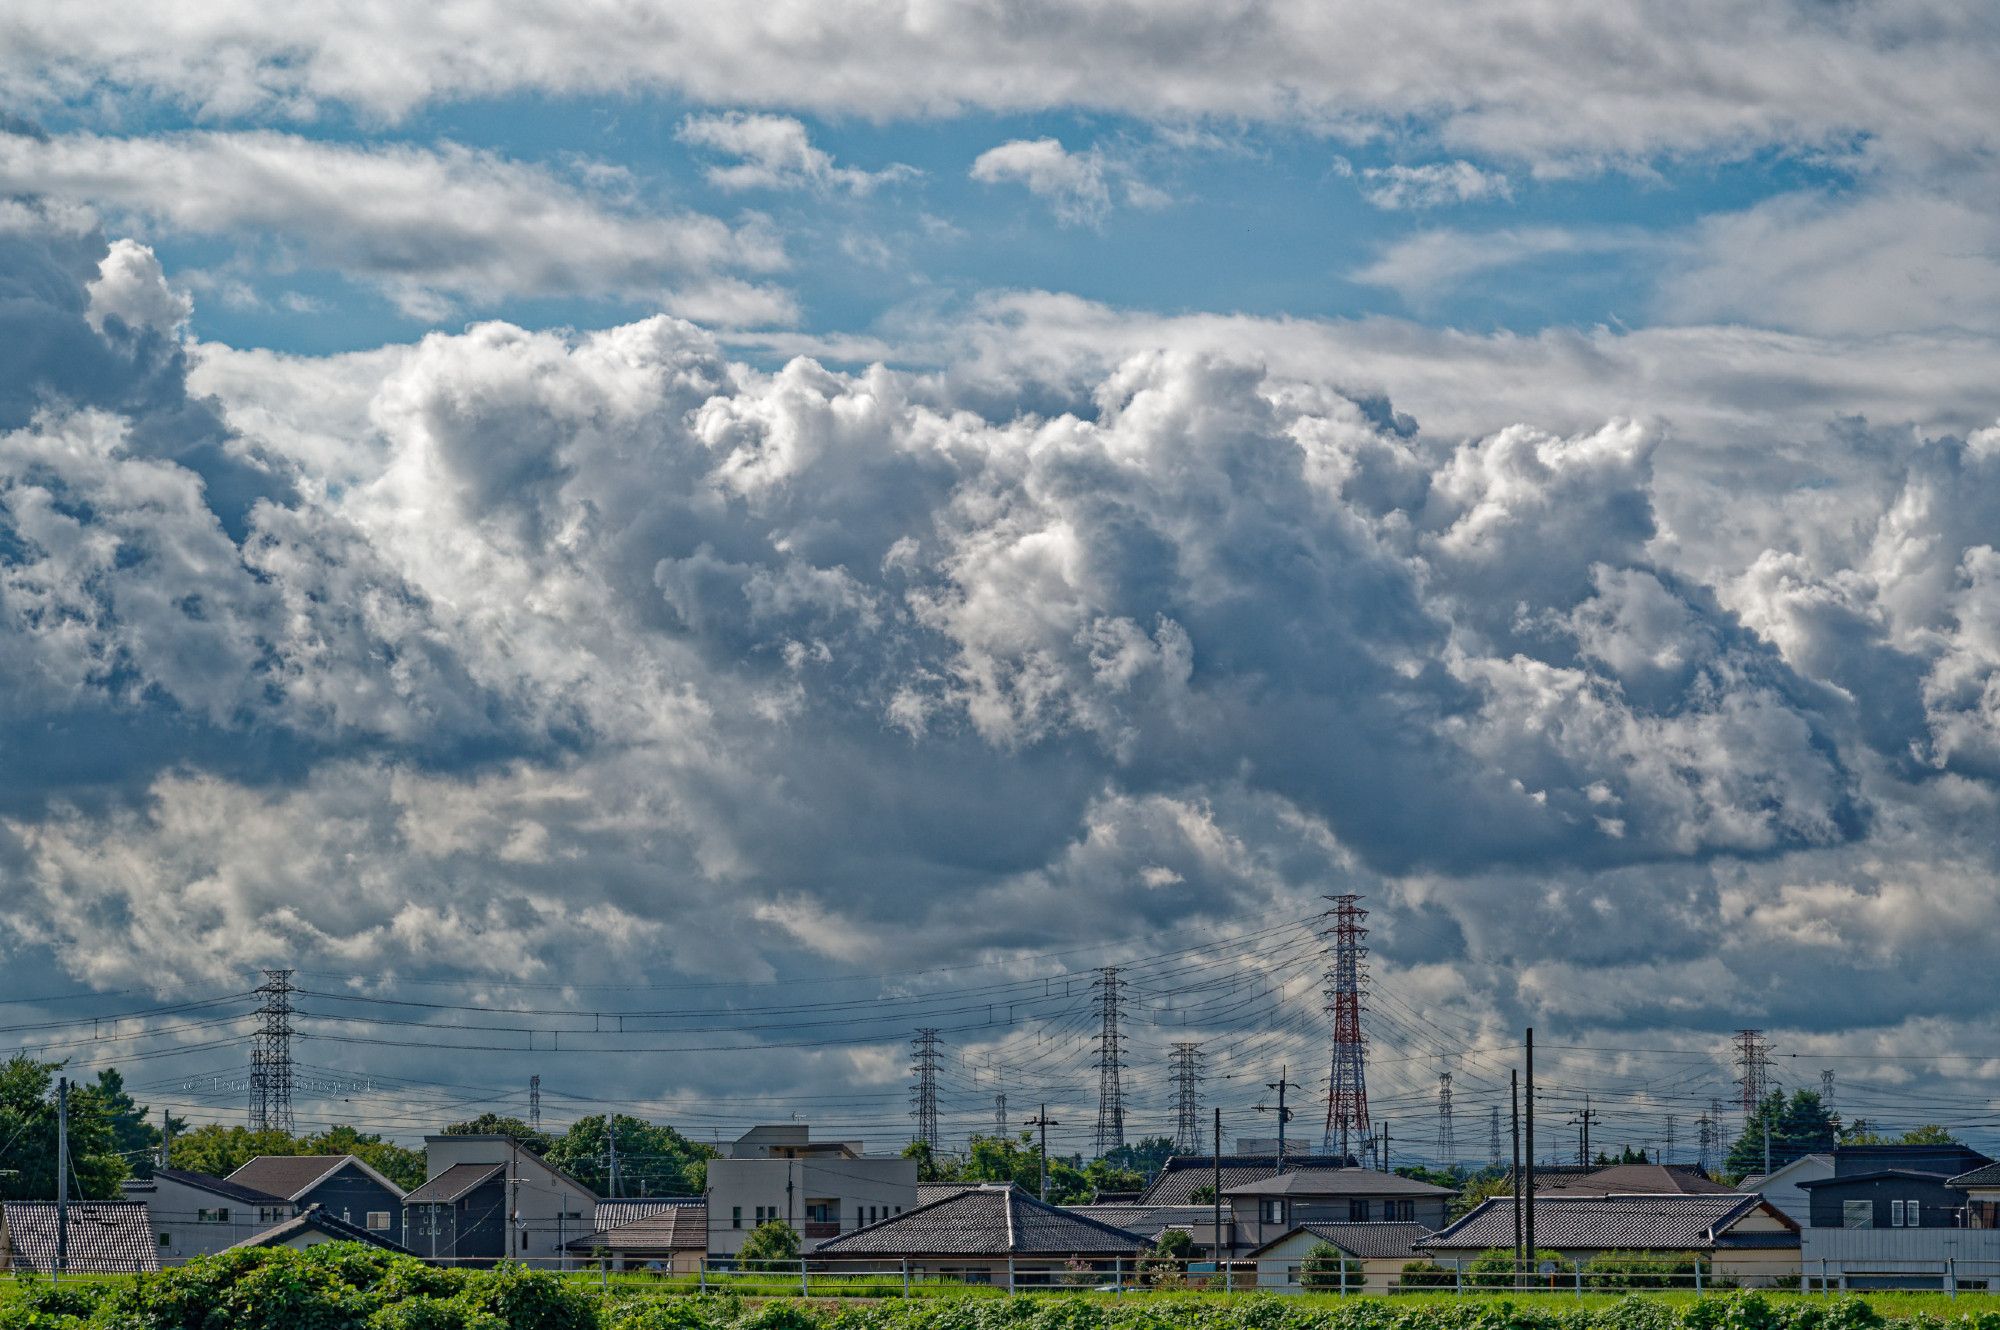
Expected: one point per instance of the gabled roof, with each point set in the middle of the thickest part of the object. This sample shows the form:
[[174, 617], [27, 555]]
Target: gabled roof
[[1183, 1175], [1337, 1182], [1817, 1160], [1364, 1242], [1988, 1176], [1629, 1223], [610, 1214], [223, 1187], [105, 1237], [1907, 1174], [1632, 1179], [668, 1228], [1148, 1221], [937, 1191], [509, 1148], [292, 1176], [315, 1219], [998, 1219], [453, 1183]]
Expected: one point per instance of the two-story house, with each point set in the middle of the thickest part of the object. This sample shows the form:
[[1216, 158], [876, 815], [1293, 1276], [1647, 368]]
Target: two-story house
[[1889, 1217], [1255, 1213], [821, 1188], [488, 1199], [194, 1214], [1981, 1188], [344, 1186]]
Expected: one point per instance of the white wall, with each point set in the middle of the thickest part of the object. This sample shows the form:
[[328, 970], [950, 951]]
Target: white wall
[[885, 1185], [176, 1210]]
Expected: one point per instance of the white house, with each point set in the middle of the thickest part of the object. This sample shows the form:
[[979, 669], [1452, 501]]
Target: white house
[[194, 1214], [1781, 1185], [821, 1188]]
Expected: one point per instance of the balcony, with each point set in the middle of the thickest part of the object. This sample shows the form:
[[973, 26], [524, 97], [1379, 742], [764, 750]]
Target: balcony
[[818, 1228]]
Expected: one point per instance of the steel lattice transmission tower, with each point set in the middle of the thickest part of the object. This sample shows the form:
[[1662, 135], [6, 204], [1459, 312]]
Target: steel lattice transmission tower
[[1000, 1115], [1667, 1150], [1493, 1158], [1705, 1130], [1110, 1062], [1753, 1071], [923, 1094], [1447, 1147], [1826, 1091], [271, 1056], [535, 1103], [1346, 983], [1185, 1063]]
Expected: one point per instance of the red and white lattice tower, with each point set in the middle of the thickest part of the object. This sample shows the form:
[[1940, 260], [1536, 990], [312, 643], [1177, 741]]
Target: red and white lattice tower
[[1346, 984]]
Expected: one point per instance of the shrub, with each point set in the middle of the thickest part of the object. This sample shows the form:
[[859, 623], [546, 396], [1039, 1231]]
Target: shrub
[[1426, 1274], [1328, 1269]]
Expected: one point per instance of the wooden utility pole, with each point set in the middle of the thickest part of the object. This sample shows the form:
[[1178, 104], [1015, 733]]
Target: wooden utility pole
[[1215, 1139], [1514, 1098], [62, 1177], [1043, 1121]]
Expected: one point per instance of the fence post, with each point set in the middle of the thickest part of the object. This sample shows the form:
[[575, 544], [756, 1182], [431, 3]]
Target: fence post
[[1117, 1276], [1579, 1278], [1951, 1276], [906, 1276], [1697, 1274], [1458, 1277], [804, 1289], [1824, 1287], [1010, 1274]]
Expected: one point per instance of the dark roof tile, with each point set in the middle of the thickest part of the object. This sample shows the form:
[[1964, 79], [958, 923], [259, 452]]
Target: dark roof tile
[[1633, 1223], [994, 1220], [105, 1237]]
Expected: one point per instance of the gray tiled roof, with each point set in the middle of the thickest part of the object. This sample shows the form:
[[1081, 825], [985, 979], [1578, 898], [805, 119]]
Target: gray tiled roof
[[1633, 1179], [610, 1214], [670, 1227], [995, 1220], [224, 1187], [937, 1191], [1183, 1175], [453, 1183], [1148, 1221], [1367, 1242], [105, 1237], [1630, 1223], [1337, 1182], [1989, 1176], [316, 1219]]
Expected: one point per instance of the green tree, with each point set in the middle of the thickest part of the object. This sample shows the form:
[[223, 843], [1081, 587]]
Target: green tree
[[1328, 1269], [28, 1135], [401, 1165], [1929, 1134], [1480, 1189], [1165, 1266], [653, 1158], [495, 1124], [219, 1151], [138, 1139], [1799, 1126], [1146, 1157], [1494, 1268], [772, 1245]]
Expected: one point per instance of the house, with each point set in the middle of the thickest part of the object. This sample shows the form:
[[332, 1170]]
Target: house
[[311, 1227], [995, 1233], [669, 1236], [488, 1198], [1632, 1180], [194, 1214], [103, 1238], [1146, 1221], [821, 1188], [1890, 1217], [1258, 1212], [1982, 1196], [1782, 1186], [1382, 1250], [344, 1186], [1184, 1177], [1740, 1237]]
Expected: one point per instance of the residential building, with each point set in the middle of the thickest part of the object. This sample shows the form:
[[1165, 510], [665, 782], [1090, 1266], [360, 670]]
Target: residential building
[[1259, 1212], [1891, 1217], [991, 1234], [312, 1226], [1741, 1238], [194, 1214], [104, 1238], [1632, 1180], [821, 1188], [1146, 1221], [344, 1186], [1381, 1250], [487, 1198], [1982, 1196], [1183, 1176], [668, 1236], [1783, 1187]]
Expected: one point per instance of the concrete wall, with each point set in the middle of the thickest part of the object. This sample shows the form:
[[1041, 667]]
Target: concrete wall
[[853, 1189]]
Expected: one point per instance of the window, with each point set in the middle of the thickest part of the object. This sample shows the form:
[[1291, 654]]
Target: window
[[166, 1239], [524, 1239], [378, 1221], [1357, 1212], [736, 1216], [1857, 1214], [1406, 1211], [1274, 1212], [1896, 1214]]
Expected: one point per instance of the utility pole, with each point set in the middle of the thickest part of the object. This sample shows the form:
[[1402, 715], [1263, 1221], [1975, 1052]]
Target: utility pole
[[1528, 1153], [1447, 1147], [166, 1139], [1216, 1187], [1767, 1145], [62, 1177], [923, 1095], [1385, 1145], [1282, 1084], [1493, 1159], [1753, 1072], [1185, 1063], [1581, 1121], [611, 1150], [535, 1103], [1110, 1062], [1514, 1112], [1346, 982], [1043, 1121]]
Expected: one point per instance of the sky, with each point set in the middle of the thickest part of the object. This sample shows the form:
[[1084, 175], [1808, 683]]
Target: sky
[[731, 536]]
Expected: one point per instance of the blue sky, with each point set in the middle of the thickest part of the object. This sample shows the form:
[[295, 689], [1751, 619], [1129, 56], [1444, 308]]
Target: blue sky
[[883, 498]]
